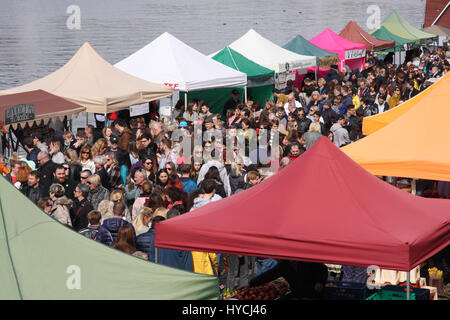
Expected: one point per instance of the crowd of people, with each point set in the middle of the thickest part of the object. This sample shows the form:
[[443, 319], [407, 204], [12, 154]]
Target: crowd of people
[[115, 181]]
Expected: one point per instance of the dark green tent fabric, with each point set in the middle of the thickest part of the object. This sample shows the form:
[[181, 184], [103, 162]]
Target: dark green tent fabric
[[302, 46], [237, 61], [216, 98], [42, 259], [384, 34]]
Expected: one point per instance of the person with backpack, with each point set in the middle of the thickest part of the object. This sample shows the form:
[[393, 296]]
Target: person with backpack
[[107, 232], [94, 217]]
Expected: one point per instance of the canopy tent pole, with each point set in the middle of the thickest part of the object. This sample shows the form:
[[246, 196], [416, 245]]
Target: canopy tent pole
[[245, 93], [316, 73], [408, 285], [413, 186]]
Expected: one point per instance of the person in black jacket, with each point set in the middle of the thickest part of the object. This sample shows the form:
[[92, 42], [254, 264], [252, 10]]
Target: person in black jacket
[[46, 169], [306, 279], [328, 115], [32, 190], [95, 219], [60, 176], [81, 207]]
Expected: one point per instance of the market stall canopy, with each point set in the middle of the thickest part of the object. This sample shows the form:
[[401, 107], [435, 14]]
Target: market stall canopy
[[300, 45], [351, 227], [350, 53], [237, 61], [353, 32], [400, 27], [379, 121], [438, 30], [44, 107], [42, 259], [169, 61], [92, 82], [401, 44], [266, 53], [401, 150]]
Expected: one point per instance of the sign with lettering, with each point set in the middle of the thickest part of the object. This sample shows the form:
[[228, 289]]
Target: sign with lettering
[[354, 54], [19, 113]]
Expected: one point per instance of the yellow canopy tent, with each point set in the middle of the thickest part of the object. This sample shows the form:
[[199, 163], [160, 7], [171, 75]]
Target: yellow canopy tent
[[376, 122], [92, 82], [415, 145]]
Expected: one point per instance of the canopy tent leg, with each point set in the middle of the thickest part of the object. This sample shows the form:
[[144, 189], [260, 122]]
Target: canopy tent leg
[[408, 285], [87, 118], [245, 94], [413, 186], [316, 73]]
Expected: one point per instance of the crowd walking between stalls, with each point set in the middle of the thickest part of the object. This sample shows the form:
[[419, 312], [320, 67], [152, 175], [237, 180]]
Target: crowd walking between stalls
[[114, 181]]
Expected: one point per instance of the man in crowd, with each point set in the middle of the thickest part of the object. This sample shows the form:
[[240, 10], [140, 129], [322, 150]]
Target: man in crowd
[[61, 178], [32, 190], [46, 169], [341, 137], [38, 143], [232, 102], [107, 233]]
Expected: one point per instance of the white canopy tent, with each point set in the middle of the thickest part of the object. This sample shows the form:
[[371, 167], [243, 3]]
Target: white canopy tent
[[266, 53], [171, 62]]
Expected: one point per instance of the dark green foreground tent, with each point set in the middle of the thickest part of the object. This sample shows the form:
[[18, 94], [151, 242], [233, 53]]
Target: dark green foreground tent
[[42, 259], [302, 46]]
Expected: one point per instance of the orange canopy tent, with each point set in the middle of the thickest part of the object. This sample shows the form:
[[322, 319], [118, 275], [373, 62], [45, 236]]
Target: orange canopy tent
[[415, 145], [376, 122]]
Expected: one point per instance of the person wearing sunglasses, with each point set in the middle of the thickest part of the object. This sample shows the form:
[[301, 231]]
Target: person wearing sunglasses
[[86, 158], [81, 207]]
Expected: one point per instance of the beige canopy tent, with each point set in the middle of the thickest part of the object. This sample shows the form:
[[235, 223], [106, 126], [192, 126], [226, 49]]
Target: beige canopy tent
[[92, 82]]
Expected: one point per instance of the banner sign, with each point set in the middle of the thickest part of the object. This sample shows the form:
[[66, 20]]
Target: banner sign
[[354, 54], [19, 113], [139, 109]]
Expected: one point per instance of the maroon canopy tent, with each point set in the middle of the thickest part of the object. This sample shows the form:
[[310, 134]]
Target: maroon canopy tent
[[321, 208], [354, 32], [46, 106]]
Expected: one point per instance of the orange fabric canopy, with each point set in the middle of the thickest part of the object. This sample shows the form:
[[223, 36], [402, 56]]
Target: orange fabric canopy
[[415, 145], [376, 122]]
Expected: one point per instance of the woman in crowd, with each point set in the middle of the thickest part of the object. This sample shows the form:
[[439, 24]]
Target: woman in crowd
[[140, 202], [150, 165], [143, 221], [61, 204], [98, 192], [55, 152], [191, 113], [74, 163], [86, 159], [162, 178], [113, 170], [100, 147]]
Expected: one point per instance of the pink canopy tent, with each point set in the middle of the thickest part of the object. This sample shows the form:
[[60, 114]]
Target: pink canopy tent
[[350, 53]]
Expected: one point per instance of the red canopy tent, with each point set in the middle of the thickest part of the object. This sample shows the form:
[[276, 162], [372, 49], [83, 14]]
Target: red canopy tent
[[355, 33], [322, 208], [46, 106]]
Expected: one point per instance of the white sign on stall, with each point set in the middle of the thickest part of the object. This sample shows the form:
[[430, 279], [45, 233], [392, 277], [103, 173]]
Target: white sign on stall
[[355, 54], [139, 109]]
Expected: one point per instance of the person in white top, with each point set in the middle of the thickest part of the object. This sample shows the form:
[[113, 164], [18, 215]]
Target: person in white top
[[291, 100]]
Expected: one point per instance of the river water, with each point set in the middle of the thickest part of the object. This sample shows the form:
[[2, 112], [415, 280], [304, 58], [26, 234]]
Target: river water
[[35, 39]]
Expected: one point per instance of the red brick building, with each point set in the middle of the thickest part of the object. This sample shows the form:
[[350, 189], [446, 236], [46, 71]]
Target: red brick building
[[435, 9]]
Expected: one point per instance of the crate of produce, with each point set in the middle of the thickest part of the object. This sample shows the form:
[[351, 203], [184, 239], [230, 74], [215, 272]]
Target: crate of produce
[[420, 293], [340, 290], [390, 295], [268, 291]]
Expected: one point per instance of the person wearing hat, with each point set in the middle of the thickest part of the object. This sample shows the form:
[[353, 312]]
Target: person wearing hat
[[232, 102], [61, 204], [114, 145], [37, 142], [341, 137]]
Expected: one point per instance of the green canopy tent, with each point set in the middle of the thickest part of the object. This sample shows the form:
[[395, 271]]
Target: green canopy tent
[[42, 259], [260, 80], [300, 45], [400, 27], [401, 44]]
